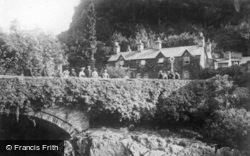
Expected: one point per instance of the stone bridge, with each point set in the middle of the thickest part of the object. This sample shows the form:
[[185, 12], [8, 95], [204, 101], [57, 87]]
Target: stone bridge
[[64, 102], [72, 121]]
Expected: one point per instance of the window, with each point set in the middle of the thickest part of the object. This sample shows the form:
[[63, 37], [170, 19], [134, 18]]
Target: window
[[186, 60], [186, 75], [121, 63], [143, 62], [223, 65], [160, 60]]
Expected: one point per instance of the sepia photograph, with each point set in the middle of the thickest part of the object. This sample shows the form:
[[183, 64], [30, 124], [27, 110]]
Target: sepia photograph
[[124, 77]]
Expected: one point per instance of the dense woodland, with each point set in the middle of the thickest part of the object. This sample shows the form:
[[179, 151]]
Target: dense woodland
[[98, 23]]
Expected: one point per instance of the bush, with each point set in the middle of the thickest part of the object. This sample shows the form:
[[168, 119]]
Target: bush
[[196, 101], [230, 127], [208, 104], [116, 72], [124, 99], [207, 73], [240, 98], [234, 72]]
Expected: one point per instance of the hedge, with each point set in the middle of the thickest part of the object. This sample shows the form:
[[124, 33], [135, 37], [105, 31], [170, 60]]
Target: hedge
[[124, 99], [130, 99]]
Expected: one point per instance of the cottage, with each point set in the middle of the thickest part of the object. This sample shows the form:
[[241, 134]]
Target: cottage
[[229, 59], [185, 60]]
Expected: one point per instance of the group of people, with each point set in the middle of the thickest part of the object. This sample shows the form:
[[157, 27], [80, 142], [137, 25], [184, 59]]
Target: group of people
[[168, 75], [85, 73]]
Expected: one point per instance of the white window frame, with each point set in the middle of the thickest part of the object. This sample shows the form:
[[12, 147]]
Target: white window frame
[[143, 62], [186, 60], [160, 60]]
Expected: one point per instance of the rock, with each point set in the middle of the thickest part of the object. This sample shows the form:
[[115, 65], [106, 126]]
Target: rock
[[107, 148], [224, 151], [114, 143], [156, 153], [153, 143], [175, 149], [137, 149]]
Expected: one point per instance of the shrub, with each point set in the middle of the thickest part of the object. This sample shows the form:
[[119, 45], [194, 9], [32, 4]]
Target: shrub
[[207, 73], [196, 101], [230, 127], [234, 72], [240, 98], [116, 72], [124, 99]]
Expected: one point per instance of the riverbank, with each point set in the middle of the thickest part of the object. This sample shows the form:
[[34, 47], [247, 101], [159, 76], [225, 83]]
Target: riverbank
[[122, 142]]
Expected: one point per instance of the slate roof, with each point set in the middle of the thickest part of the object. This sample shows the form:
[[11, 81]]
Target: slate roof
[[222, 60], [152, 53], [244, 59]]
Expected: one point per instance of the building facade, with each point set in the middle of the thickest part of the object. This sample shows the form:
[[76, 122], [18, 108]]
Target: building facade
[[231, 58], [146, 63]]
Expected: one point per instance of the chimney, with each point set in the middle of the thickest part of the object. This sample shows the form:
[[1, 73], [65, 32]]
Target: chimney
[[140, 46], [209, 49], [128, 48], [202, 43], [117, 48], [229, 59], [158, 44]]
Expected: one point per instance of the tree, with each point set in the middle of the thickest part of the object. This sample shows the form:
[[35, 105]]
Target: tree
[[21, 50], [90, 30], [81, 38]]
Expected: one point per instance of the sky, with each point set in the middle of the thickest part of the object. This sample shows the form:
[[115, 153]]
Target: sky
[[52, 16]]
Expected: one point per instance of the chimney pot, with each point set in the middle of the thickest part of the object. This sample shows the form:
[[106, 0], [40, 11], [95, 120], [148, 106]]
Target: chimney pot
[[202, 44], [128, 48], [117, 48], [158, 44], [209, 49], [140, 46]]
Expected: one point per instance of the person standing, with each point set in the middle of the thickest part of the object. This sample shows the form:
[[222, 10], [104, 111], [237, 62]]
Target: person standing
[[165, 75], [160, 75], [73, 73], [95, 74], [105, 74], [172, 75], [65, 73], [82, 73], [169, 74], [89, 72], [177, 76]]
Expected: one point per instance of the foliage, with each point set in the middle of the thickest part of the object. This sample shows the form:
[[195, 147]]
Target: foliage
[[133, 20], [177, 23], [210, 104], [81, 40], [183, 39], [207, 73], [90, 30], [20, 50], [230, 127], [116, 72], [195, 101], [240, 98], [132, 99], [235, 72]]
